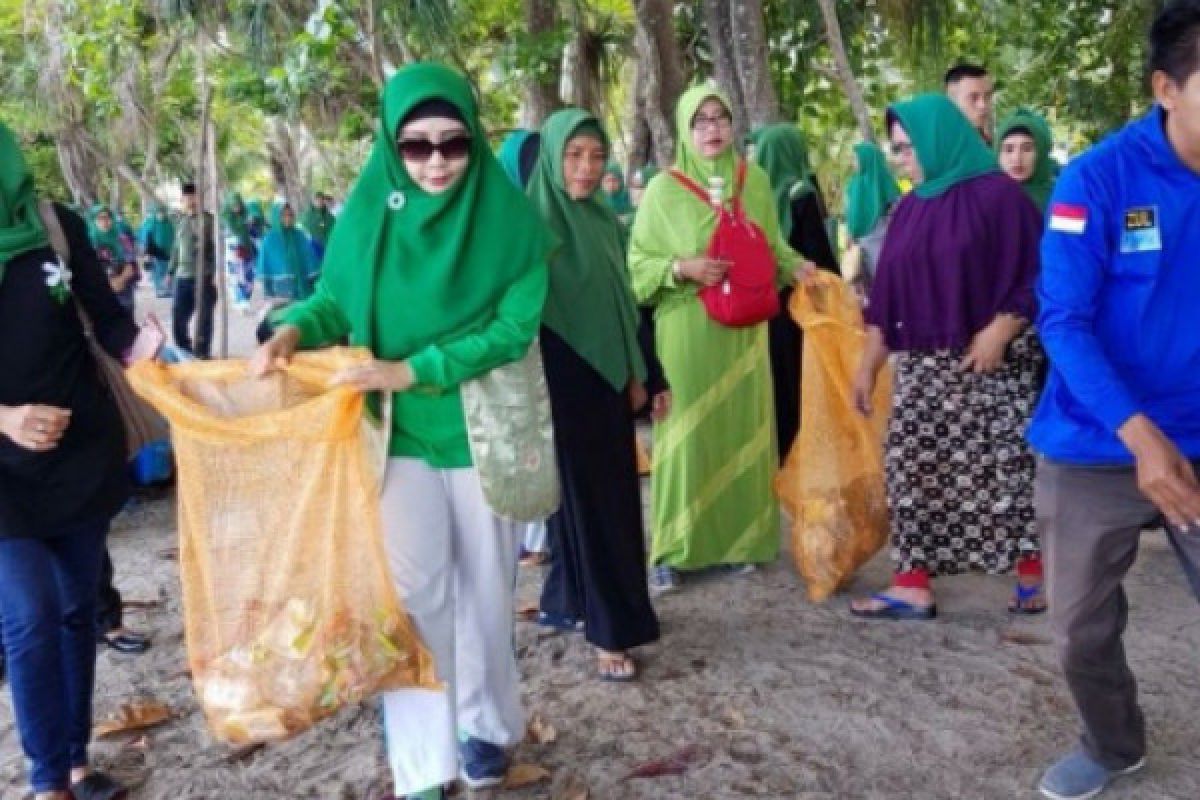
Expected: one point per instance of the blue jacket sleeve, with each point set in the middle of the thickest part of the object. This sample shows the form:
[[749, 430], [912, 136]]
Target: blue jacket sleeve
[[1074, 271]]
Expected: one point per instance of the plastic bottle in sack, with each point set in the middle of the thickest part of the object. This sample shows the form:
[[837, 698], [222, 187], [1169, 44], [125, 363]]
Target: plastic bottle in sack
[[716, 198]]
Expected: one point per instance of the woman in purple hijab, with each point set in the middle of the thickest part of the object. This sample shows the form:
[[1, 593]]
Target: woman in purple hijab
[[952, 299]]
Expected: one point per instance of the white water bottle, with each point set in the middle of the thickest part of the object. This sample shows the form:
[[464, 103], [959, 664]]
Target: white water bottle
[[716, 198]]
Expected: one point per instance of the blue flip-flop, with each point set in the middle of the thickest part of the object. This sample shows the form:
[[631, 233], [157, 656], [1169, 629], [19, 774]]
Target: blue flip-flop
[[895, 609], [1022, 595]]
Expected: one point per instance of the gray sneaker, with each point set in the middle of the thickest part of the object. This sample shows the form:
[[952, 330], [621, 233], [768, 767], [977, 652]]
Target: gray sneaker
[[1077, 777]]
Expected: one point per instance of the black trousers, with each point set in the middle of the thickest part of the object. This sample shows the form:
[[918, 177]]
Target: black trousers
[[182, 309], [597, 541]]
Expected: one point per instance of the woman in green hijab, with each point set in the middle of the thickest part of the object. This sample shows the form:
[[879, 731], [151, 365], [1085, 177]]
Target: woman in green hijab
[[715, 452], [437, 265], [1023, 144], [595, 374], [287, 265], [62, 478], [870, 196], [782, 152], [120, 265], [156, 238], [612, 186], [241, 249]]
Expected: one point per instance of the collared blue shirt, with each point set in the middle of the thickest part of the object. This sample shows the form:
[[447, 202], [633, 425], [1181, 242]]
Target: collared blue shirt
[[1119, 298]]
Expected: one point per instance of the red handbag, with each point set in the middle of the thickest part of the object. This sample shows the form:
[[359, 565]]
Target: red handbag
[[748, 294]]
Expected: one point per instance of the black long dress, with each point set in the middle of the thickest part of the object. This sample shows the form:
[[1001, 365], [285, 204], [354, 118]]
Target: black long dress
[[810, 239], [597, 540]]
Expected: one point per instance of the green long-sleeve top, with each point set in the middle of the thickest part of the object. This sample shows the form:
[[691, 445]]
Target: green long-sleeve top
[[427, 420]]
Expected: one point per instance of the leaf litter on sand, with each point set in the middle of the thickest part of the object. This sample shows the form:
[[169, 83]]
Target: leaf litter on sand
[[675, 764], [521, 775], [539, 731], [133, 716]]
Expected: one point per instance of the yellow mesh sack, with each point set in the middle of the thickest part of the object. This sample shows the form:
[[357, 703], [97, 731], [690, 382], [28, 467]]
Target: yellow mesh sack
[[289, 608], [831, 483]]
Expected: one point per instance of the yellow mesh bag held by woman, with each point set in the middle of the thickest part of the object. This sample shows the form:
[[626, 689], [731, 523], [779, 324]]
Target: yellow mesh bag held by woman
[[290, 611], [831, 484]]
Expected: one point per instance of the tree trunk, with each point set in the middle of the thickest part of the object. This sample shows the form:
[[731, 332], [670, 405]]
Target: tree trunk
[[660, 65], [79, 168], [858, 105], [753, 69], [718, 16], [542, 95], [284, 156]]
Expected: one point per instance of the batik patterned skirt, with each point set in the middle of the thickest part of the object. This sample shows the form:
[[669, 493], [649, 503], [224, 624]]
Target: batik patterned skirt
[[959, 472]]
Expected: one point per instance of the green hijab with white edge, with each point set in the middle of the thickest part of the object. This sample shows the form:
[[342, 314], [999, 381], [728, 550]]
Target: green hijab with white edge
[[672, 223], [20, 223], [1041, 182], [456, 253], [949, 150], [589, 303]]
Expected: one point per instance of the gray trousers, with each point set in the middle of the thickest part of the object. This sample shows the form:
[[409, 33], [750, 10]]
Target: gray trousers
[[1091, 520]]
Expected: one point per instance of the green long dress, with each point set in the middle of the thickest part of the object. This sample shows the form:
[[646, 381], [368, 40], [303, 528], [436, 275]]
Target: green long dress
[[715, 453]]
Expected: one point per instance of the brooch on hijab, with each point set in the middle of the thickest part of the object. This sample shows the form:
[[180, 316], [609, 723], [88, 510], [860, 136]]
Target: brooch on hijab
[[58, 280], [396, 200]]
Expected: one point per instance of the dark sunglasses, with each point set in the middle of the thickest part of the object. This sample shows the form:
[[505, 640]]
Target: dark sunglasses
[[455, 148]]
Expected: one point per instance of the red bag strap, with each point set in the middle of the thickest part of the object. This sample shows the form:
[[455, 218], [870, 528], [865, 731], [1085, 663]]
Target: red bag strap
[[739, 182]]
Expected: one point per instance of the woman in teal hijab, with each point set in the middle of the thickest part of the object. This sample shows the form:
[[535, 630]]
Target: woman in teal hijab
[[287, 265], [613, 190], [120, 264], [437, 265], [518, 155], [157, 238], [1023, 143], [870, 197], [595, 374]]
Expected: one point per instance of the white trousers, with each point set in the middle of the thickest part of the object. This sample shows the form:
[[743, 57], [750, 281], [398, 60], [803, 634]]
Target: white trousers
[[454, 563]]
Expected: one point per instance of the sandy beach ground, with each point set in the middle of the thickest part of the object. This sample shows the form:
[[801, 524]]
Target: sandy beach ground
[[758, 692]]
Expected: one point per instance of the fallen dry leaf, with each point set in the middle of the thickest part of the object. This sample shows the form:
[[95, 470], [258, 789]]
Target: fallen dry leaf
[[133, 716], [540, 731], [573, 789], [676, 764], [521, 775], [527, 611], [1012, 636], [239, 754]]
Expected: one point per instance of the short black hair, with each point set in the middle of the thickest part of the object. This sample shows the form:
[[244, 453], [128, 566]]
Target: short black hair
[[189, 188], [962, 70], [1175, 41]]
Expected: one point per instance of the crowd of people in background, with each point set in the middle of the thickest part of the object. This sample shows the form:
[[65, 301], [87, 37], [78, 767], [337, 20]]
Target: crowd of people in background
[[1045, 409]]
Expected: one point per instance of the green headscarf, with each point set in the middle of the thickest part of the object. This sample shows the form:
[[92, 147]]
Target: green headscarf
[[317, 222], [871, 192], [161, 230], [254, 212], [510, 156], [1041, 182], [672, 223], [455, 253], [619, 200], [687, 159], [20, 223], [111, 238], [782, 151], [236, 222], [949, 150], [287, 253], [589, 304]]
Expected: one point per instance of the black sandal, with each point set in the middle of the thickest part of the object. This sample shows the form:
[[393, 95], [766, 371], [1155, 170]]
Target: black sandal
[[98, 786], [128, 642]]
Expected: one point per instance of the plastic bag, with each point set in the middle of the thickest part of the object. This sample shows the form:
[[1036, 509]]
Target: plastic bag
[[831, 484], [290, 612]]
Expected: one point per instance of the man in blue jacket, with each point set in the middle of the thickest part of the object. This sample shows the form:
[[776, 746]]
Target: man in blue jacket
[[1118, 427]]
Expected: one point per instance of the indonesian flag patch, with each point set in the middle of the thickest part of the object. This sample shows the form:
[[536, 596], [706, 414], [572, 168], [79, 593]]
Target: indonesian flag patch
[[1067, 218]]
